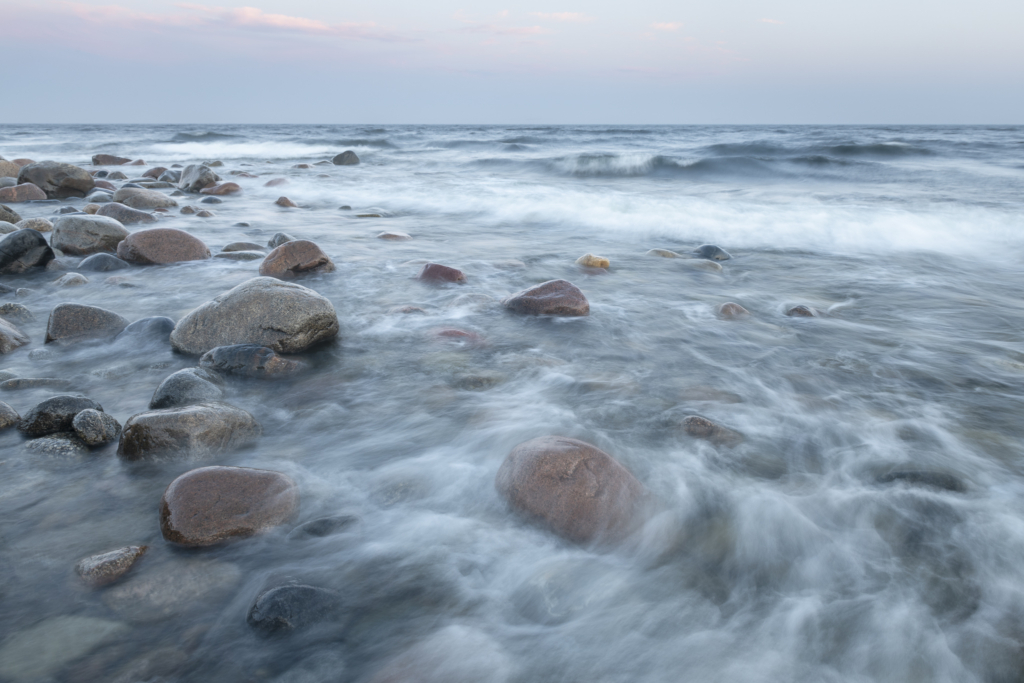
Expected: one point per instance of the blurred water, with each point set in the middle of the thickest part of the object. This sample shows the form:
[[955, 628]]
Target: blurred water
[[781, 558]]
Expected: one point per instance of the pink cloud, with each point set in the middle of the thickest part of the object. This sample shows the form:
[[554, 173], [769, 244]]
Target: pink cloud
[[563, 16], [667, 26]]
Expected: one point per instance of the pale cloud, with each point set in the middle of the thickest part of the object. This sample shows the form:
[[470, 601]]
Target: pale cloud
[[667, 26], [770, 21], [563, 16], [497, 29]]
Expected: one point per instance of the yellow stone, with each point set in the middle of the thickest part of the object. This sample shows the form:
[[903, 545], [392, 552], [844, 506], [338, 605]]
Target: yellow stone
[[663, 253], [592, 261]]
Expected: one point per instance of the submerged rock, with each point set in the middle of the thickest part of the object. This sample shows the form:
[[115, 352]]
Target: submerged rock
[[703, 428], [664, 253], [8, 416], [325, 526], [701, 264], [731, 311], [711, 252], [280, 238], [161, 592], [22, 250], [187, 432], [454, 654], [102, 263], [435, 272], [196, 177], [286, 203], [591, 261], [577, 490], [394, 236], [292, 607], [73, 323], [286, 317], [222, 189], [249, 360], [554, 297], [95, 428], [106, 568], [36, 654], [125, 214], [57, 180], [213, 504], [162, 245], [55, 414], [82, 234], [240, 255], [346, 158], [186, 387], [13, 311], [931, 478], [11, 337], [108, 160], [62, 445], [295, 258], [803, 312], [71, 280], [243, 246], [157, 328]]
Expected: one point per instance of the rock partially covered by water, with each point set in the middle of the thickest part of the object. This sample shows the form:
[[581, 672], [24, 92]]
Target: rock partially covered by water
[[295, 258], [61, 446], [23, 249], [186, 387], [731, 311], [803, 312], [95, 428], [8, 215], [213, 504], [187, 432], [106, 568], [435, 272], [73, 323], [162, 245], [249, 360], [108, 160], [394, 236], [37, 654], [711, 252], [577, 490], [286, 317], [157, 328], [11, 337], [196, 177], [554, 297], [286, 203], [8, 416], [591, 261], [57, 180], [162, 592], [703, 428], [82, 234], [55, 414], [125, 215], [102, 263], [280, 238], [221, 189], [325, 526], [455, 654], [292, 607], [931, 478], [141, 198], [25, 192], [346, 158]]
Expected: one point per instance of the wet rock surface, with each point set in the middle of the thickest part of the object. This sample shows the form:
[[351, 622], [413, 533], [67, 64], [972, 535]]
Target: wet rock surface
[[106, 568], [291, 608], [23, 250], [346, 158], [75, 323], [141, 198], [11, 337], [712, 252], [155, 328], [172, 589], [324, 526], [436, 273], [555, 297], [61, 446], [80, 235], [102, 263], [26, 192], [57, 180], [703, 428], [39, 652], [249, 360], [8, 416], [8, 215], [161, 245], [295, 258], [56, 414], [126, 215], [186, 387], [213, 504], [188, 432], [196, 177], [95, 427]]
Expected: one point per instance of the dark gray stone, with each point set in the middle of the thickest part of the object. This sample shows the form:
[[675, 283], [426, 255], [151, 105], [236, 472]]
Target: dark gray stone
[[11, 337], [95, 428], [83, 234], [23, 249], [157, 328], [288, 608], [186, 387], [279, 239], [325, 526], [211, 200], [102, 263], [73, 323], [56, 414], [711, 252], [346, 158], [196, 177], [63, 445], [16, 312], [8, 416], [249, 360], [170, 176], [126, 215], [931, 478], [57, 180]]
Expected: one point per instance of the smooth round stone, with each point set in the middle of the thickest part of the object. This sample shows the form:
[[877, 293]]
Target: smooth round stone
[[7, 228], [126, 215], [731, 311], [196, 177], [243, 246], [346, 158], [803, 312], [8, 416], [82, 234], [319, 528], [37, 224], [154, 172], [101, 263], [106, 568], [187, 432], [95, 428], [701, 264], [55, 414], [95, 199], [71, 280], [186, 387], [175, 588], [25, 192], [276, 182], [63, 445], [210, 505], [554, 297], [8, 215], [205, 214], [210, 200], [576, 489], [249, 360], [435, 272], [11, 337], [454, 654], [703, 428], [22, 250], [711, 252], [156, 328], [188, 210], [162, 245], [591, 261], [286, 203], [73, 323], [293, 607], [33, 383], [108, 160], [664, 253], [394, 236], [240, 255], [280, 238], [138, 197], [222, 189], [295, 258], [9, 170]]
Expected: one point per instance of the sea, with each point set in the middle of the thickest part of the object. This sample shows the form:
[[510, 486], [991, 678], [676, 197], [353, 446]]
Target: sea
[[868, 525]]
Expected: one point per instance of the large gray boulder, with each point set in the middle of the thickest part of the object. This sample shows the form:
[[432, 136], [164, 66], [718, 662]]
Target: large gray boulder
[[55, 414], [283, 316], [82, 234], [23, 249], [126, 215], [57, 180], [8, 215], [187, 432], [186, 387], [11, 337], [197, 177], [346, 158], [162, 245], [73, 323], [141, 198]]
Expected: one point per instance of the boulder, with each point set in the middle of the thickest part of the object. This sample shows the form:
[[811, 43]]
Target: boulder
[[292, 607], [9, 169], [211, 200], [712, 253], [61, 446], [703, 428], [13, 311], [276, 182], [126, 215], [187, 432], [175, 588], [188, 210], [141, 198], [186, 387], [106, 568], [7, 228], [196, 177], [803, 312], [116, 175], [23, 249], [286, 317], [435, 272], [101, 263], [8, 416], [591, 261], [170, 176], [295, 258], [162, 245], [249, 360], [346, 158], [108, 160], [55, 414], [575, 489], [11, 337], [394, 236], [222, 189], [71, 279], [731, 311], [82, 234], [280, 238], [9, 215], [39, 653], [25, 192], [22, 163], [205, 214], [286, 203], [554, 297], [73, 323], [213, 504], [95, 428], [155, 172], [57, 180], [242, 246], [37, 224], [240, 255], [156, 328]]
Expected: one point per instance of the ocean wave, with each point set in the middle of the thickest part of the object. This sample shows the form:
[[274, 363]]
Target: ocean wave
[[524, 140], [882, 149], [203, 137], [631, 165]]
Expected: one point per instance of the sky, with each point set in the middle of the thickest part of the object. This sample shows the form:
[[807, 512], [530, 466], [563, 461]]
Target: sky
[[513, 62]]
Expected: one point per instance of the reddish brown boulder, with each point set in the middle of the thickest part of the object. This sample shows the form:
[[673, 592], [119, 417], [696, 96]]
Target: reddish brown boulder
[[221, 189], [21, 193], [275, 182], [554, 297], [137, 162], [803, 312], [154, 172], [213, 504], [287, 203], [435, 272], [295, 258], [106, 185], [731, 311], [108, 160], [575, 489], [161, 245]]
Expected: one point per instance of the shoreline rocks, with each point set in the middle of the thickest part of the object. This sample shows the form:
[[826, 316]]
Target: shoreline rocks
[[57, 180], [435, 272], [346, 158], [554, 297], [196, 177], [106, 568], [249, 360], [155, 246], [74, 323], [187, 432], [82, 234], [25, 192], [22, 250], [55, 414], [591, 261], [295, 258], [141, 198], [187, 387], [11, 337]]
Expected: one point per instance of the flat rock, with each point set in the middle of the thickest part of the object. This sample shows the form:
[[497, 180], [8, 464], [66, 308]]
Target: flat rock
[[176, 588], [295, 258], [95, 428], [276, 182], [126, 215], [9, 215], [292, 607], [142, 198], [37, 224], [108, 160], [435, 272], [554, 297], [249, 360], [73, 323], [575, 489], [62, 446], [591, 261], [55, 414], [703, 428], [82, 234], [38, 653], [346, 158], [187, 432], [162, 245], [284, 316], [106, 568], [196, 177], [8, 416], [731, 311], [102, 263], [22, 250], [11, 337], [57, 180], [186, 387], [25, 192], [222, 189], [209, 505], [711, 252]]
